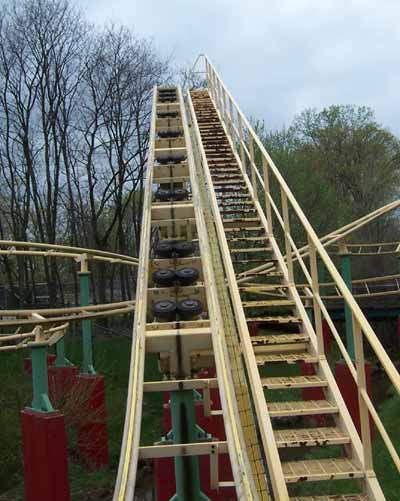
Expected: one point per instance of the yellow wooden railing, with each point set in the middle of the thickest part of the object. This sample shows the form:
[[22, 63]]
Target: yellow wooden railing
[[263, 174]]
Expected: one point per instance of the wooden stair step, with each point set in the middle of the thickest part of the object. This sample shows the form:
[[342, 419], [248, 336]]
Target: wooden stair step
[[270, 273], [220, 158], [224, 171], [262, 288], [228, 182], [267, 303], [229, 189], [282, 382], [237, 261], [224, 211], [228, 203], [278, 319], [250, 249], [248, 220], [301, 408], [209, 123], [244, 228], [240, 240], [221, 147], [222, 162], [242, 220], [320, 469], [310, 437], [278, 339], [220, 165], [222, 155], [288, 358], [226, 174], [281, 349], [273, 273], [334, 497], [236, 196]]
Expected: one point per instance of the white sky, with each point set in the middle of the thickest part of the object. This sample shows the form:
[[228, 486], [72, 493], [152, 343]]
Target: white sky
[[279, 57]]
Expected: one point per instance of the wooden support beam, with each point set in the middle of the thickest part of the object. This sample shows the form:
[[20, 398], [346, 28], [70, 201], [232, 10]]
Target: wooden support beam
[[179, 384], [179, 450]]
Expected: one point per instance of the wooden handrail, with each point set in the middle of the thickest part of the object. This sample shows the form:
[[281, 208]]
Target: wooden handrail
[[315, 248], [366, 329]]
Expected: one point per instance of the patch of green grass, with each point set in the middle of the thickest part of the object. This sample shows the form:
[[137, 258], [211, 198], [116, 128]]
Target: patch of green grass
[[276, 370], [15, 394], [383, 463], [328, 487]]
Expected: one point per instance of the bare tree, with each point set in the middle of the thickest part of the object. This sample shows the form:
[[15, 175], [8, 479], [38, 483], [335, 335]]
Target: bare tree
[[74, 122]]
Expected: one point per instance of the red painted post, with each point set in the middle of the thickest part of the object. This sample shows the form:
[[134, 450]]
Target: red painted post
[[89, 392], [327, 336], [253, 328], [348, 389], [164, 476], [45, 456], [61, 382]]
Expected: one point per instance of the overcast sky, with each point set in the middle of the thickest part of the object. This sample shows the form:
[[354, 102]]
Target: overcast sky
[[279, 57]]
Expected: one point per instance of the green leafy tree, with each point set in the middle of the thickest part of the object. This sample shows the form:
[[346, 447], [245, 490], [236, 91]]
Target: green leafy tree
[[340, 164]]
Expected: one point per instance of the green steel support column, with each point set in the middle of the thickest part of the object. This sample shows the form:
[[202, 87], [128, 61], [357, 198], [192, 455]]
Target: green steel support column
[[61, 360], [40, 401], [345, 261], [84, 283], [184, 430]]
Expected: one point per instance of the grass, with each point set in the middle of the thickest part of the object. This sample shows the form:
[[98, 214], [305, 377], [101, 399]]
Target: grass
[[384, 466], [15, 392]]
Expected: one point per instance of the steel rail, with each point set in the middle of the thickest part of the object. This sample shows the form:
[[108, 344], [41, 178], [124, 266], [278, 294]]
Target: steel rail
[[61, 311], [66, 251], [26, 339], [327, 240], [122, 310], [394, 282]]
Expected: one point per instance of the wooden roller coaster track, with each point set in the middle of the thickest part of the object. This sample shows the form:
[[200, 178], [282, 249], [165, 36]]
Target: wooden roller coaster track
[[204, 150]]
